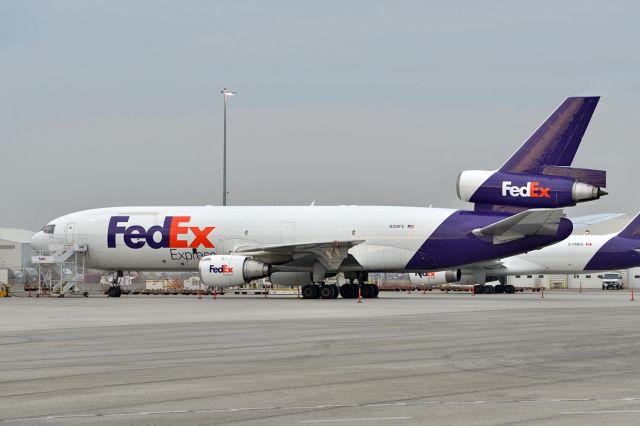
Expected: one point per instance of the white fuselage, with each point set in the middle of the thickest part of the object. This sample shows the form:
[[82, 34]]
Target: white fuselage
[[390, 235], [566, 257]]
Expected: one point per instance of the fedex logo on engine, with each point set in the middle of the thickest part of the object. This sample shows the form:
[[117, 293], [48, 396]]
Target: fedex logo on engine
[[531, 189], [224, 269], [173, 233]]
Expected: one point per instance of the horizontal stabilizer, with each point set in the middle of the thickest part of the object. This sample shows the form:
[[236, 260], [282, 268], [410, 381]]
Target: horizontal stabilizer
[[556, 141], [590, 176], [527, 223]]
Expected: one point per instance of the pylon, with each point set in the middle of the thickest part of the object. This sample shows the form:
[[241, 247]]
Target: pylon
[[359, 294], [215, 294], [632, 299]]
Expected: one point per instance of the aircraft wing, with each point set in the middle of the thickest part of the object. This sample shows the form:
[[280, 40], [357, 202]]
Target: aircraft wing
[[330, 253], [524, 224]]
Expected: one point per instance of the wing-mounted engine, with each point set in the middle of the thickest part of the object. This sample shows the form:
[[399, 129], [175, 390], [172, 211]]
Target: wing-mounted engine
[[496, 188], [436, 278], [230, 270]]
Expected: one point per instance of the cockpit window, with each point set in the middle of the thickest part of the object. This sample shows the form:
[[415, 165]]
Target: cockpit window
[[48, 229]]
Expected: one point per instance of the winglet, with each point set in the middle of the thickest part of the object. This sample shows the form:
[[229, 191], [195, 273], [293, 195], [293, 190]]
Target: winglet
[[556, 141]]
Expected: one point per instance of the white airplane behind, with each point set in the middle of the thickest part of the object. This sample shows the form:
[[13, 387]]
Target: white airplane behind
[[575, 255]]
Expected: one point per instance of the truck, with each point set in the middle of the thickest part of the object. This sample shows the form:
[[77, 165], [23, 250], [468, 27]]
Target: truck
[[611, 281]]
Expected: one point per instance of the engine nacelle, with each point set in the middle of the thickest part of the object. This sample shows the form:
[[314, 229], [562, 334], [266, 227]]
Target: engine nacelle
[[230, 270], [439, 278], [524, 190], [435, 278]]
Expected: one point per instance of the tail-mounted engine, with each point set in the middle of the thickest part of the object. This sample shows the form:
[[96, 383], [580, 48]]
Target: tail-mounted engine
[[531, 190]]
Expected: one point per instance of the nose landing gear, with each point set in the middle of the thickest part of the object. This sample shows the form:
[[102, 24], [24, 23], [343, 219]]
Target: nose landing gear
[[114, 289]]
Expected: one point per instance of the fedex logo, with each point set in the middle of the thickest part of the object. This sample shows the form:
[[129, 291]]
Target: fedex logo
[[426, 274], [224, 269], [531, 189], [171, 234]]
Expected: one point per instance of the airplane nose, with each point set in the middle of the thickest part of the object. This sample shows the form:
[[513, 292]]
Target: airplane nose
[[37, 241]]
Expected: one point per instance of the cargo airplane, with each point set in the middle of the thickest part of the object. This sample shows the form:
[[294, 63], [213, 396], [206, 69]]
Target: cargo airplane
[[518, 208]]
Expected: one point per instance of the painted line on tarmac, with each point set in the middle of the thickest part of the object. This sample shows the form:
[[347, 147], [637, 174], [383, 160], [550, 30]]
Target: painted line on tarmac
[[363, 419], [331, 406], [601, 412]]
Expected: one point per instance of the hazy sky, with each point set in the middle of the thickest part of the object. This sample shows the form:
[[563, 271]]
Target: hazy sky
[[107, 103]]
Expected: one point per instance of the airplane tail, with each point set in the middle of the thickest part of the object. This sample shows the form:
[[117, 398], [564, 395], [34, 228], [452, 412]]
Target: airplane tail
[[556, 141], [539, 173], [632, 230]]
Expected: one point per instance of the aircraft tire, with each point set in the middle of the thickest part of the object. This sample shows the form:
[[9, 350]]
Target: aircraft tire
[[487, 289], [367, 291], [498, 289], [478, 289], [309, 291], [348, 291], [376, 291], [509, 289], [326, 291]]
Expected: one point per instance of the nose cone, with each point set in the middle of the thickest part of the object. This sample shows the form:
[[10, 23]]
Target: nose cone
[[39, 242]]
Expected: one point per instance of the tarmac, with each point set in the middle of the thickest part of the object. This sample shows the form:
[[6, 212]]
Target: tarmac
[[402, 359]]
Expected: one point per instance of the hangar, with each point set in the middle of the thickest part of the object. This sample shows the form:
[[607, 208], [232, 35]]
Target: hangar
[[15, 257]]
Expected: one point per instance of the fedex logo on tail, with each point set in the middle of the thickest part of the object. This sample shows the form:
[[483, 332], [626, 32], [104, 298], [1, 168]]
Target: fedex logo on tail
[[531, 189], [173, 233]]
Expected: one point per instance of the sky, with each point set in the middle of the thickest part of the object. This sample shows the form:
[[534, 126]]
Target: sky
[[112, 103]]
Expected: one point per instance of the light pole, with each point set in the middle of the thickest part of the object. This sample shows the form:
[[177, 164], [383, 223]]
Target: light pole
[[225, 93]]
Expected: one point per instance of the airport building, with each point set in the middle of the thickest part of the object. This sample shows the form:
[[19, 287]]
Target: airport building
[[15, 250], [15, 257], [592, 280]]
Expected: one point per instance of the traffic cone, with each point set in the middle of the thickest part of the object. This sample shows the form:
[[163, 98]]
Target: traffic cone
[[359, 294]]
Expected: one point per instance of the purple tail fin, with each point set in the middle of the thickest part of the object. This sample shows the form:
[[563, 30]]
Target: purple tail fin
[[556, 141], [632, 230]]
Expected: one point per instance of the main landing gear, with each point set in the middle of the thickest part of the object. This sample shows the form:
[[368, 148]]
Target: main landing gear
[[491, 289], [331, 291]]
